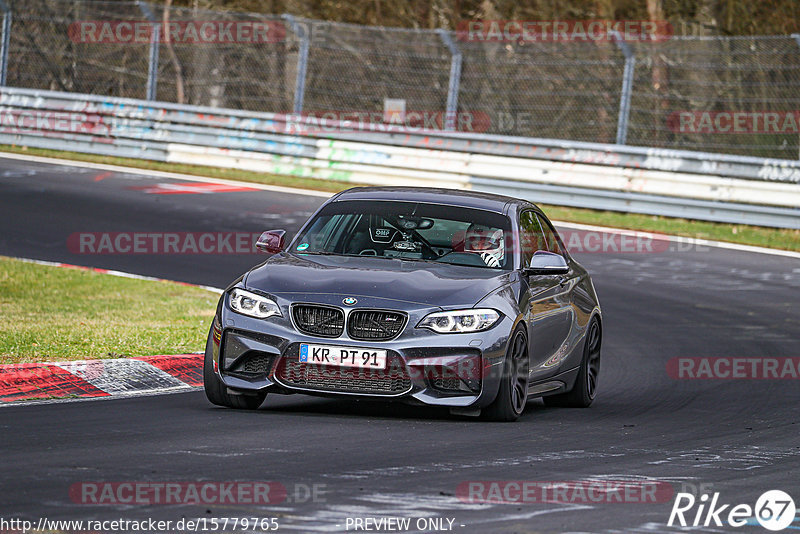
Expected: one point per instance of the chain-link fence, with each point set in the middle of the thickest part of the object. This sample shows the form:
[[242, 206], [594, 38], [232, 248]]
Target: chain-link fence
[[696, 93]]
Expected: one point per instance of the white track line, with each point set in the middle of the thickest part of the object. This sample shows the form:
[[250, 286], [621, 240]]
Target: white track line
[[322, 194]]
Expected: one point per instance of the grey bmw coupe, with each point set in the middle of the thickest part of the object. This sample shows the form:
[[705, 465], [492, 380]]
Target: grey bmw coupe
[[430, 296]]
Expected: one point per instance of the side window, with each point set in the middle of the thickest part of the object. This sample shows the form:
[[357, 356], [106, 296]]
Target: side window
[[531, 236], [553, 242]]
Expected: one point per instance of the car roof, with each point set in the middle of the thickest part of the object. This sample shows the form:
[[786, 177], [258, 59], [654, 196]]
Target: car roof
[[432, 195]]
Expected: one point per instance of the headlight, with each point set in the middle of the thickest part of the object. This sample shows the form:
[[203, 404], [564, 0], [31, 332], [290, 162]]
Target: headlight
[[454, 322], [248, 303]]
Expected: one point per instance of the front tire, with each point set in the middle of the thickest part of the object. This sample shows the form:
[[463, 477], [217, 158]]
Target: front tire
[[217, 392], [585, 389], [513, 392]]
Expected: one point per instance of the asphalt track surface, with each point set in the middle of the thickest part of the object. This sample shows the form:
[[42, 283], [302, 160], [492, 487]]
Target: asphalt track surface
[[736, 437]]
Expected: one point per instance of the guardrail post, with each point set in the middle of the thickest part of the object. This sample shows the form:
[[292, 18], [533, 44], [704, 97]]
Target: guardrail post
[[627, 87], [302, 62], [4, 41], [455, 79], [152, 63]]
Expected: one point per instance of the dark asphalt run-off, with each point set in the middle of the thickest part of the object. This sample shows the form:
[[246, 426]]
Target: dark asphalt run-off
[[367, 459]]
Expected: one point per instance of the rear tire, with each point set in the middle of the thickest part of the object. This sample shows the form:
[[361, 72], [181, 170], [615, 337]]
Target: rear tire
[[217, 391], [513, 392], [585, 389]]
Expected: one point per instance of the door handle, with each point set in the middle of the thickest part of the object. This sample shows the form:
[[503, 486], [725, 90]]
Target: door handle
[[562, 280]]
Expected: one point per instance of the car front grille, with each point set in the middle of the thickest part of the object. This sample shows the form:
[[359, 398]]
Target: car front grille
[[393, 380], [374, 325], [318, 320]]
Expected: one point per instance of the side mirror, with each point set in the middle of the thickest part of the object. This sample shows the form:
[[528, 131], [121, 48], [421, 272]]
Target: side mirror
[[547, 263], [271, 241]]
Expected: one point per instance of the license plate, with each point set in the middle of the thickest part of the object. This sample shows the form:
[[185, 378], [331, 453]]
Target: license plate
[[343, 356]]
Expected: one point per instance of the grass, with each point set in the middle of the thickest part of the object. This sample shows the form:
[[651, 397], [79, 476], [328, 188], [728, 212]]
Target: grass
[[735, 233], [56, 314]]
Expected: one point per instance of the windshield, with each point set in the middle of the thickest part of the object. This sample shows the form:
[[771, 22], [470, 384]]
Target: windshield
[[410, 231]]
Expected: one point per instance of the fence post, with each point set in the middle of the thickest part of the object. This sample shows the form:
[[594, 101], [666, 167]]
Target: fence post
[[302, 62], [797, 40], [4, 41], [152, 63], [455, 79], [627, 87]]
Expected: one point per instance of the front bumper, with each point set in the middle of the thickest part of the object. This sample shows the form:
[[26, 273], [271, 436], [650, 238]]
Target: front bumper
[[454, 370]]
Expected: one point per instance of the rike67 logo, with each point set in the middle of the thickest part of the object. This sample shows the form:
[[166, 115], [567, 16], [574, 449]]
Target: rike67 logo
[[774, 510]]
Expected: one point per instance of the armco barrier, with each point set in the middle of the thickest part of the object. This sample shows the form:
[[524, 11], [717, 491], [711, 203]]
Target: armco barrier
[[702, 186]]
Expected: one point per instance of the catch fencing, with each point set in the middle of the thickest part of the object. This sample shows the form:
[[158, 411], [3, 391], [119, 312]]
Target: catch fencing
[[607, 91]]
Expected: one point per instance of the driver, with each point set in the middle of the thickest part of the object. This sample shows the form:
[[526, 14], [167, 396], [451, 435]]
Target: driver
[[486, 241]]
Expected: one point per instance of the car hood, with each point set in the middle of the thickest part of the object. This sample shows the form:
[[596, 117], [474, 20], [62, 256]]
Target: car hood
[[427, 283]]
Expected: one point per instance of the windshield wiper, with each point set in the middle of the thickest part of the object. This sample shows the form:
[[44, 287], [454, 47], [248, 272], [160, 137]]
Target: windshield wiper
[[439, 262], [327, 253], [398, 258]]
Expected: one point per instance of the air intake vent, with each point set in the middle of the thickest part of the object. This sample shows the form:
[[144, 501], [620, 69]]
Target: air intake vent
[[394, 380], [258, 364]]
